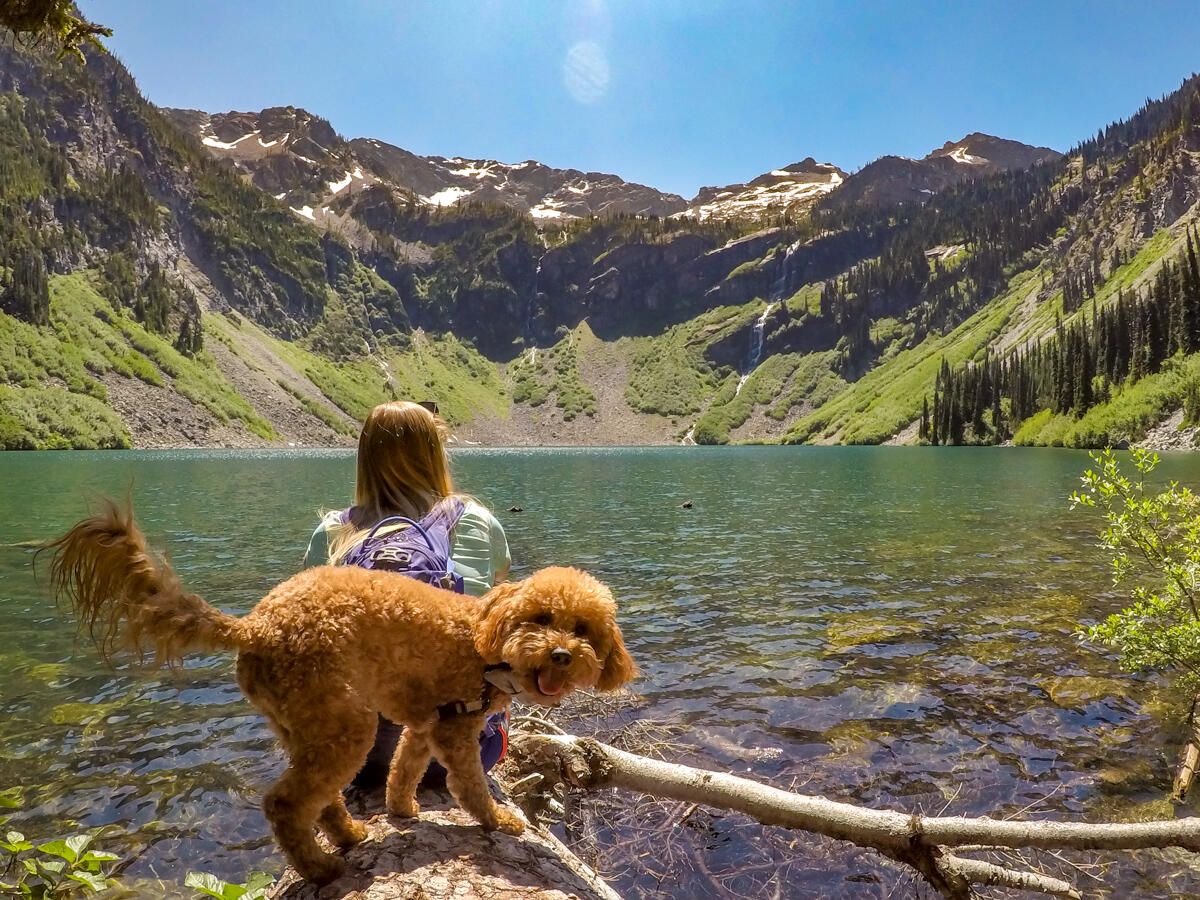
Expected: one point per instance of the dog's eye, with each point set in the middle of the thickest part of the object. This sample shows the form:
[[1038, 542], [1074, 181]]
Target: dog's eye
[[581, 630], [542, 619]]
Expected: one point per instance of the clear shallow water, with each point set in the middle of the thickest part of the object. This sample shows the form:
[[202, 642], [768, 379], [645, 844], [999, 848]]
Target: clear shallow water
[[889, 626]]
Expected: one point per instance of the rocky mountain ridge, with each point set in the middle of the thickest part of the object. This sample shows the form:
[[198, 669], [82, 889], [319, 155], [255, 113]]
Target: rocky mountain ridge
[[785, 191], [300, 159], [898, 179]]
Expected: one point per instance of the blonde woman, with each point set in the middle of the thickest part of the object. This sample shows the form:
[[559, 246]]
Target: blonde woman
[[403, 483]]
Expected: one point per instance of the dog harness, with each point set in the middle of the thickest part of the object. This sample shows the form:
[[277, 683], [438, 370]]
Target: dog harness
[[498, 679]]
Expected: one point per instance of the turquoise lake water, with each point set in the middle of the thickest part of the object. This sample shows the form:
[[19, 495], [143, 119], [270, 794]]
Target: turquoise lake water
[[890, 626]]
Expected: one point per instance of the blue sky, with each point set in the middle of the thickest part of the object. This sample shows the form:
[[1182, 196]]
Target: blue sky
[[671, 93]]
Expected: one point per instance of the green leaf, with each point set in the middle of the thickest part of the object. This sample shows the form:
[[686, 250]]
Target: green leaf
[[9, 799], [61, 849], [98, 856], [257, 885], [95, 882], [14, 842], [213, 886], [80, 842], [259, 880]]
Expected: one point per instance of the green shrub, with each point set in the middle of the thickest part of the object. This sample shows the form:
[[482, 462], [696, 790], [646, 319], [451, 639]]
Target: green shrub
[[1154, 541], [54, 419]]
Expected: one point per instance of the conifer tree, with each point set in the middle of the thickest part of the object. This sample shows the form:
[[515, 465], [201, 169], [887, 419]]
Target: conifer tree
[[27, 295], [934, 429]]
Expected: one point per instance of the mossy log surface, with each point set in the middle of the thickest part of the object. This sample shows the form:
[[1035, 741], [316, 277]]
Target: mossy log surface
[[445, 854]]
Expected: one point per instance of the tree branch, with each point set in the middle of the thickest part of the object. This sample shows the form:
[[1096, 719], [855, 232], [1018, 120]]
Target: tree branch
[[915, 840], [976, 871]]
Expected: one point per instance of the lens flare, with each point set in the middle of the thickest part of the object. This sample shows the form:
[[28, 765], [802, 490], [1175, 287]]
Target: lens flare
[[585, 72]]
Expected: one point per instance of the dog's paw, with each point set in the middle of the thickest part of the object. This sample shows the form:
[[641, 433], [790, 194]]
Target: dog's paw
[[322, 869], [405, 807], [356, 832], [508, 822]]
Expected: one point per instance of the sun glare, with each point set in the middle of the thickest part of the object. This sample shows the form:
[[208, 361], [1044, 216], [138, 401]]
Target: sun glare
[[585, 72]]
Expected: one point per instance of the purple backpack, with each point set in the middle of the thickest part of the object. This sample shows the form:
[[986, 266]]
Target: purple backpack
[[420, 551]]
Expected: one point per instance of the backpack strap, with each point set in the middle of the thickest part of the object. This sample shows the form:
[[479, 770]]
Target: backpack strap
[[450, 509]]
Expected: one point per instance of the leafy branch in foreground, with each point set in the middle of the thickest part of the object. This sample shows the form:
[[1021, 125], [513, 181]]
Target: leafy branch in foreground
[[52, 870], [57, 19], [1154, 540]]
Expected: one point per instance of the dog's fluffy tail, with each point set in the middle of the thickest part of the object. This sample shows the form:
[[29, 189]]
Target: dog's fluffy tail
[[126, 598]]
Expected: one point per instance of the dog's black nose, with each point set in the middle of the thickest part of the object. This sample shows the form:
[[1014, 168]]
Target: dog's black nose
[[560, 656]]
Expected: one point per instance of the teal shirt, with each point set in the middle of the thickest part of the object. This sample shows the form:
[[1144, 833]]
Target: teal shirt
[[479, 548]]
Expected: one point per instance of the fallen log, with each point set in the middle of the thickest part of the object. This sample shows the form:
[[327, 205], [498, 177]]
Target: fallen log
[[444, 855], [925, 843]]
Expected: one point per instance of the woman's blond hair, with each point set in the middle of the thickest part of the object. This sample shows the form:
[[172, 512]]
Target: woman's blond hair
[[403, 470]]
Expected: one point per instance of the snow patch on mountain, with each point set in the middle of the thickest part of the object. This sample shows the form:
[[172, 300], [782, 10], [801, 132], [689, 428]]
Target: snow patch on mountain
[[209, 141], [960, 155], [550, 208], [474, 171], [447, 197]]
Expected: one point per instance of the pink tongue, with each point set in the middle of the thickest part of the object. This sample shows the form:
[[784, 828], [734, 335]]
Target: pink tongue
[[551, 681]]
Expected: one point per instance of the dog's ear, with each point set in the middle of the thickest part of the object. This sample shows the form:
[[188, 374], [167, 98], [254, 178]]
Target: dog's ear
[[494, 621], [619, 666]]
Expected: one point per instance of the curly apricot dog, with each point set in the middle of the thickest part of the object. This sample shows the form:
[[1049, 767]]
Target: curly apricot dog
[[326, 650]]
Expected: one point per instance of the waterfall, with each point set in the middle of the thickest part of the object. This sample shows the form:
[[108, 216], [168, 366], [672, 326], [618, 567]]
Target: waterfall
[[780, 287], [689, 439], [775, 296], [757, 339], [529, 307]]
